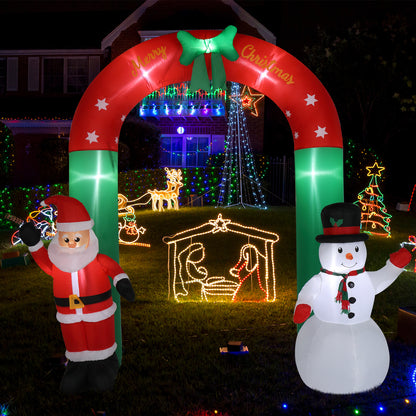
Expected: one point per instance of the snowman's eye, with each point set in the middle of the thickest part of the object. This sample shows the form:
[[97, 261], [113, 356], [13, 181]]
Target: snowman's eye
[[357, 249], [66, 240], [339, 249], [76, 239]]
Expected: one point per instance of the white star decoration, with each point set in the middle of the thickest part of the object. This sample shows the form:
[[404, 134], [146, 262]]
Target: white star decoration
[[321, 132], [116, 140], [92, 137], [101, 104], [123, 117], [219, 224], [288, 114], [310, 100], [296, 135]]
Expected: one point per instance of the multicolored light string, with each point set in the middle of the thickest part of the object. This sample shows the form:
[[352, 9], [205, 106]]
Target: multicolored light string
[[412, 243], [240, 184]]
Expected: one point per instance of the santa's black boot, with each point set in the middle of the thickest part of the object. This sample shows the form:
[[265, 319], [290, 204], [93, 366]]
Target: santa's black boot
[[75, 378], [102, 374]]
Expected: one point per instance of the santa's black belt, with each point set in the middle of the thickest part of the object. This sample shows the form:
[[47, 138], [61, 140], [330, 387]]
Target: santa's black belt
[[75, 302]]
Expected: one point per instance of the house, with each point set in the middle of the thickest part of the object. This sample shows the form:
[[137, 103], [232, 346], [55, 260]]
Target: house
[[40, 89]]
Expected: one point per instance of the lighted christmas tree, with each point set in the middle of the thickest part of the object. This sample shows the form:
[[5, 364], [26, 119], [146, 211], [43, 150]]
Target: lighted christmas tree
[[374, 217], [240, 184]]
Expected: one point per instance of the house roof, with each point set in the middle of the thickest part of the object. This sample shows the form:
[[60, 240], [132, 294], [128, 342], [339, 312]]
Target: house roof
[[159, 15]]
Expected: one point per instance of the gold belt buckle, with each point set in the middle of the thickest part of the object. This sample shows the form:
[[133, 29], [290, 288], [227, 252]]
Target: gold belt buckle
[[75, 302]]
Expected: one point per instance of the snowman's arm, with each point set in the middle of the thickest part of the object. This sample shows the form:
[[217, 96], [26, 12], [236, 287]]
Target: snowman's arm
[[383, 278], [306, 297], [309, 291]]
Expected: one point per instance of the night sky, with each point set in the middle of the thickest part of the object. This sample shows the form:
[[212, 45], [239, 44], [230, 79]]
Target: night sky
[[83, 24]]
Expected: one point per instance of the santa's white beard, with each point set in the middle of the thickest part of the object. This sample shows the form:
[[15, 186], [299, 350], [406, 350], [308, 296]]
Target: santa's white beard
[[72, 259]]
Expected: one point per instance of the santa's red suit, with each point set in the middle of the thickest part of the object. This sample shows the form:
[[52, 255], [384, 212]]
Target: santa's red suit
[[85, 308]]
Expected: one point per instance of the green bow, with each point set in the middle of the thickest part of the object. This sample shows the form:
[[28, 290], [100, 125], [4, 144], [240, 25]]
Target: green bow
[[194, 50]]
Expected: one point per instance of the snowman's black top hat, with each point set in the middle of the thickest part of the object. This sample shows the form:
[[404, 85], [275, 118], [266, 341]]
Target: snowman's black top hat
[[341, 223]]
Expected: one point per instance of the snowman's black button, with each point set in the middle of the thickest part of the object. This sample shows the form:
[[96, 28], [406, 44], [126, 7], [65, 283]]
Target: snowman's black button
[[352, 299], [351, 284], [351, 315]]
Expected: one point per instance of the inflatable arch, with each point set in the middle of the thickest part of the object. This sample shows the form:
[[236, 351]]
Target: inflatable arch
[[151, 65]]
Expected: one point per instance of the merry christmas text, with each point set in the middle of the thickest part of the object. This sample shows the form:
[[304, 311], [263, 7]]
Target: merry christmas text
[[142, 62], [249, 52]]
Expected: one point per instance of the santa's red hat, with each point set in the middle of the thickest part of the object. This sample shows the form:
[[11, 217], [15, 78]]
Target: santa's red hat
[[72, 215]]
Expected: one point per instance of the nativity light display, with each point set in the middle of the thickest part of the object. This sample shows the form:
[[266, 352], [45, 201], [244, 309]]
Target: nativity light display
[[375, 219], [250, 277]]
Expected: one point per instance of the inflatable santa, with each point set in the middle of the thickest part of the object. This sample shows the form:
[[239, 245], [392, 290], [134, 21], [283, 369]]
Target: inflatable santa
[[82, 291], [340, 349]]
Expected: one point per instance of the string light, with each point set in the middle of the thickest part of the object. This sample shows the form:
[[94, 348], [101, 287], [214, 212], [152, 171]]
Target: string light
[[189, 272], [42, 218], [374, 217], [128, 233], [170, 194], [411, 197], [178, 97], [250, 100], [411, 242], [240, 184], [26, 199]]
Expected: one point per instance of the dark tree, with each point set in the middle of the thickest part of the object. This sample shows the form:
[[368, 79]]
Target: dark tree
[[369, 71], [139, 144]]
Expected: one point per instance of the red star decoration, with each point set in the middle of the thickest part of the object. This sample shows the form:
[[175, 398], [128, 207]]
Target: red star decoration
[[250, 100]]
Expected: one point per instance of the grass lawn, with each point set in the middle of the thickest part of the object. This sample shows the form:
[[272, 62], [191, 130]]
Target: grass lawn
[[171, 360]]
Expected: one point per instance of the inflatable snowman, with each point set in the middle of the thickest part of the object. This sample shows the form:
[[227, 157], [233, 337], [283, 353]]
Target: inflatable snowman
[[340, 349]]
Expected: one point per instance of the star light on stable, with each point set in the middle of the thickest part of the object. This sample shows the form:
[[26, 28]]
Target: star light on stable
[[253, 268]]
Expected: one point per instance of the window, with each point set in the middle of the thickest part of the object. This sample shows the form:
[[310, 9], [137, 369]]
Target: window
[[185, 150], [65, 75], [53, 75], [3, 70], [77, 80]]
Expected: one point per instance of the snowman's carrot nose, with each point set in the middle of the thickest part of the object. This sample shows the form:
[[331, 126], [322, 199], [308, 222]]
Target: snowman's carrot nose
[[349, 256]]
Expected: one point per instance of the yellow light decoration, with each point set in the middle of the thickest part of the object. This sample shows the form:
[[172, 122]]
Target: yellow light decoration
[[375, 219], [187, 252], [128, 233], [170, 194]]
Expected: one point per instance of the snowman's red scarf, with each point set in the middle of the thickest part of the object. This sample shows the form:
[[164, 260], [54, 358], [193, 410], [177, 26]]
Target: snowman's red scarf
[[342, 295]]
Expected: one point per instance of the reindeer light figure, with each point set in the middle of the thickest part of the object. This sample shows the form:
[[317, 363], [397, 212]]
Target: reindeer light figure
[[170, 194]]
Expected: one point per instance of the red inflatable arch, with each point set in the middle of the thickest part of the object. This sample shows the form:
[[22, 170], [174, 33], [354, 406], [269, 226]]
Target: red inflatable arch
[[154, 64]]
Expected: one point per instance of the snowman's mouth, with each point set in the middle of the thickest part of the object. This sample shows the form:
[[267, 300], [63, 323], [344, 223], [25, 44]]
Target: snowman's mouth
[[349, 267]]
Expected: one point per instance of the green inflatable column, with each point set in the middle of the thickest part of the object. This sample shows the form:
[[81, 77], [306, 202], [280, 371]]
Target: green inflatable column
[[319, 182], [93, 179]]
